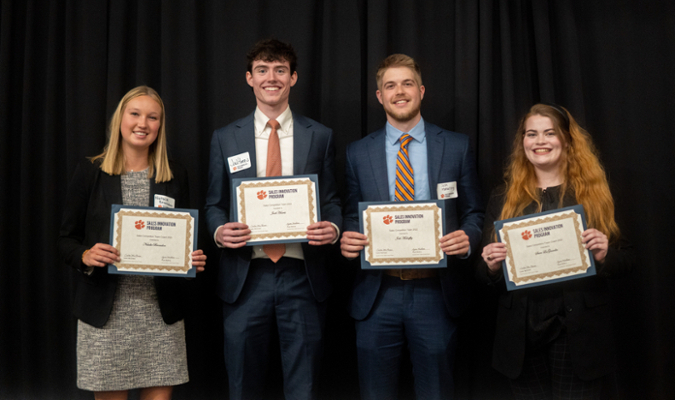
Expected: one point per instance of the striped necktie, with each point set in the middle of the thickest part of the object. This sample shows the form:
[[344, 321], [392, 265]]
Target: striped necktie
[[405, 181]]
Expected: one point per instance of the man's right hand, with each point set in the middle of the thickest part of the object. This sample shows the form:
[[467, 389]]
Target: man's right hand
[[233, 235], [352, 243]]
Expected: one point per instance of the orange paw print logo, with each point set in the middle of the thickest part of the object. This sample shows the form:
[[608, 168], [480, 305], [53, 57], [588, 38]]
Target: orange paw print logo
[[139, 224], [387, 219], [526, 235], [262, 194]]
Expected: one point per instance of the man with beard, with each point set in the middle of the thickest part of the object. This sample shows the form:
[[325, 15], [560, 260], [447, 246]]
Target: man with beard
[[414, 307]]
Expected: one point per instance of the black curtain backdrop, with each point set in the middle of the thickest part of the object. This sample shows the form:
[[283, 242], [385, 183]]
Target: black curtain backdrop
[[64, 65]]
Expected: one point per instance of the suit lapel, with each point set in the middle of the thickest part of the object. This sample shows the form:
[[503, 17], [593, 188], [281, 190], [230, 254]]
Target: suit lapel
[[244, 141], [302, 142], [156, 188], [112, 185], [378, 162], [434, 157]]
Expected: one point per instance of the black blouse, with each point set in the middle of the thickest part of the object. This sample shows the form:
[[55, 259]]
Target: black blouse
[[545, 305]]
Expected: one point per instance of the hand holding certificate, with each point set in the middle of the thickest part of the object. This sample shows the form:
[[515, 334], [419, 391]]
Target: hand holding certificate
[[154, 241], [544, 248], [276, 210], [402, 235]]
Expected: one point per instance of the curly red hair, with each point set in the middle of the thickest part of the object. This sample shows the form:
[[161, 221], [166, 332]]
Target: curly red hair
[[580, 167]]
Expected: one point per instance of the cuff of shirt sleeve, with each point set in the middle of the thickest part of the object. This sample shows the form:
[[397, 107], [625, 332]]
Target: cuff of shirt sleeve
[[214, 238], [337, 237], [468, 254]]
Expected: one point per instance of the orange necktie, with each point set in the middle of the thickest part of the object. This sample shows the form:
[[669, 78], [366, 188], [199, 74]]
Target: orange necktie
[[274, 251], [405, 179]]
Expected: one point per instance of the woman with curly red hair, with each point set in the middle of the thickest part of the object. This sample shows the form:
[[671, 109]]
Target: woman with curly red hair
[[555, 340]]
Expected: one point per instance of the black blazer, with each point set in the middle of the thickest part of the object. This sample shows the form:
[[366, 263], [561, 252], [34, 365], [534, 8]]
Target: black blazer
[[86, 221], [586, 303]]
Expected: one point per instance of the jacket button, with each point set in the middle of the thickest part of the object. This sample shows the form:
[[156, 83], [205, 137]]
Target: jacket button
[[569, 309]]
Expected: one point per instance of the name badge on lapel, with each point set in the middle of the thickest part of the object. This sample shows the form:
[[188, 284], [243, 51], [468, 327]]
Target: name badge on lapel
[[446, 190], [239, 162], [162, 201]]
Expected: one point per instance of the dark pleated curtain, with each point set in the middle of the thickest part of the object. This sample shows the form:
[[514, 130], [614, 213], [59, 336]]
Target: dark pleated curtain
[[64, 65]]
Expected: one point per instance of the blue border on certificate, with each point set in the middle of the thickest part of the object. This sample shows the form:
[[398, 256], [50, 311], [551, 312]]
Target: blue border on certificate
[[192, 272], [579, 209], [236, 182], [363, 205]]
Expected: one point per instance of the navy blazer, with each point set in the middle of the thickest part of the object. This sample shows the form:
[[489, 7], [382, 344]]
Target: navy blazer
[[313, 153], [86, 221], [449, 160]]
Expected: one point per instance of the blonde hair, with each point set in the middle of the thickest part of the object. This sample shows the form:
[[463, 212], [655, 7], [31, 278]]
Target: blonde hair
[[580, 167], [398, 60], [112, 158]]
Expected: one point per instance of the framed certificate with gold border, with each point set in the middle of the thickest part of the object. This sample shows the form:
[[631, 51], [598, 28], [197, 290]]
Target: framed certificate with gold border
[[545, 248], [277, 209], [403, 234], [153, 241]]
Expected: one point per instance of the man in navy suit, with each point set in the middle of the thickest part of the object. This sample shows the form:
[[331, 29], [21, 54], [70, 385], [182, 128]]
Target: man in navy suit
[[265, 287], [414, 308]]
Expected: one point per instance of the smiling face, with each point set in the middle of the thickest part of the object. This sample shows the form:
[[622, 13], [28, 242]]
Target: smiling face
[[401, 95], [541, 144], [271, 82], [140, 123]]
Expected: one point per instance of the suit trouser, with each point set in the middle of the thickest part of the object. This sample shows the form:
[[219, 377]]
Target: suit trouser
[[274, 295], [411, 312]]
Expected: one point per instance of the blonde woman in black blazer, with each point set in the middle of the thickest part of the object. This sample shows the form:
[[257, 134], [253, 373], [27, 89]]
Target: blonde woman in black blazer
[[132, 169]]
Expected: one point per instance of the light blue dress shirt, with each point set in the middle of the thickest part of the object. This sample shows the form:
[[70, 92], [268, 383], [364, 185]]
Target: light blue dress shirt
[[417, 152]]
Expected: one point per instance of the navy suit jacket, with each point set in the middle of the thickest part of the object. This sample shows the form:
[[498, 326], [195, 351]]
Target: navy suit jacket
[[313, 153], [449, 160], [86, 221]]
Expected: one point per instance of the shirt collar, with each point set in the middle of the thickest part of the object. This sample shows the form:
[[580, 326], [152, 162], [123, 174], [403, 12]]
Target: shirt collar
[[285, 120], [417, 132]]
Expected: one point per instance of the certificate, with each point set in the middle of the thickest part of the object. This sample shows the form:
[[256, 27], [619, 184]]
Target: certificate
[[545, 248], [153, 241], [277, 210], [403, 234]]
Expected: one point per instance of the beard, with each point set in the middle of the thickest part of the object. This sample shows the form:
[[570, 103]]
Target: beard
[[403, 116]]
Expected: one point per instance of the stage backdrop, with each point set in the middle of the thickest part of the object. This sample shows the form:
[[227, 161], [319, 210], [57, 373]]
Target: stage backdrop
[[64, 65]]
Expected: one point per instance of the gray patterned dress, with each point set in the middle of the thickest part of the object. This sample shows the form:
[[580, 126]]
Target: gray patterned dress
[[135, 348]]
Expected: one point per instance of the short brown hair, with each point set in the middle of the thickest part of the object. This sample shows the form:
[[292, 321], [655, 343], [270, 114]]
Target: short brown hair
[[398, 60], [272, 50]]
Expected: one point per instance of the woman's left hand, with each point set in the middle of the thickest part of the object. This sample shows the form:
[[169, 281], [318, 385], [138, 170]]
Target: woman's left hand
[[596, 242], [199, 260]]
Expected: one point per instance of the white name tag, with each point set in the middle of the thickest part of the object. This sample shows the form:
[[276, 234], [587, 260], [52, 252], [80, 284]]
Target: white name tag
[[239, 162], [164, 201], [446, 190]]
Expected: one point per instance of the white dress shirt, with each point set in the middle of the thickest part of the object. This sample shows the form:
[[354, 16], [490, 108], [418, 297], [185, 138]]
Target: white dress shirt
[[262, 135]]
